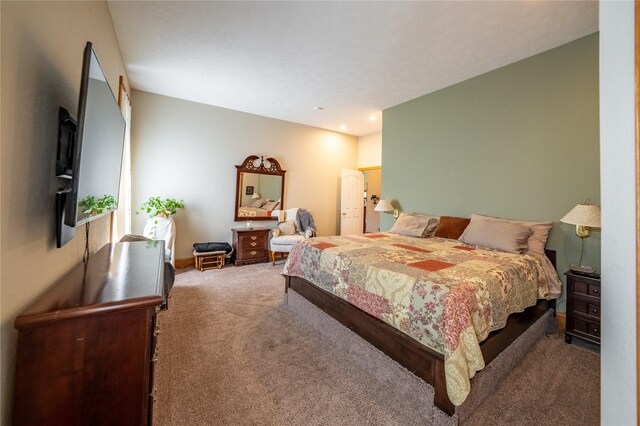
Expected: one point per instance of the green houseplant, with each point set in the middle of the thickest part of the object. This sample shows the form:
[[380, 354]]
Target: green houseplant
[[158, 207], [92, 206]]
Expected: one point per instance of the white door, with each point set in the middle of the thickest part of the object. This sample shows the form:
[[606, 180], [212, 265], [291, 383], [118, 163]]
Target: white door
[[351, 202]]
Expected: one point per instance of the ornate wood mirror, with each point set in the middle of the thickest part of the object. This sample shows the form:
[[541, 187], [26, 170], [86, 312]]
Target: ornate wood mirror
[[259, 188]]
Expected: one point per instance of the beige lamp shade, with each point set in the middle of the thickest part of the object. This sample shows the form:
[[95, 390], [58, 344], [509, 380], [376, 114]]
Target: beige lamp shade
[[583, 215], [255, 196], [384, 206]]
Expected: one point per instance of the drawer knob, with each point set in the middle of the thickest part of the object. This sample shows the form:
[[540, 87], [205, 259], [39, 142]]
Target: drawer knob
[[254, 237], [596, 291], [595, 330], [254, 244], [594, 310], [253, 252]]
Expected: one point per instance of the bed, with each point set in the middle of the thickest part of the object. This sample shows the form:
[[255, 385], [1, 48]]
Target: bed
[[254, 212], [425, 302]]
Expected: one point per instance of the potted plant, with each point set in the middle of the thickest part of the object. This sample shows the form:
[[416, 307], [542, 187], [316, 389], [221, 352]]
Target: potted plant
[[157, 207], [92, 206]]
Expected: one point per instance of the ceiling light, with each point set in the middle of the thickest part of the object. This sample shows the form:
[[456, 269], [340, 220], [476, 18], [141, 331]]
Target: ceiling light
[[372, 117], [318, 108], [343, 127]]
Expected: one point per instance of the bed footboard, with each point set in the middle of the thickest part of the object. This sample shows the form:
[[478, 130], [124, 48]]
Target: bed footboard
[[411, 354]]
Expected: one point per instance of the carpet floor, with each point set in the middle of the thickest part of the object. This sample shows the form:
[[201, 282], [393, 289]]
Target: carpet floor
[[234, 350]]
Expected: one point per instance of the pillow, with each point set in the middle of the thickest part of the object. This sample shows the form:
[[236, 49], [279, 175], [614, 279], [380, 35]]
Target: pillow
[[270, 205], [451, 227], [432, 224], [287, 228], [499, 235], [258, 203], [414, 225], [539, 231]]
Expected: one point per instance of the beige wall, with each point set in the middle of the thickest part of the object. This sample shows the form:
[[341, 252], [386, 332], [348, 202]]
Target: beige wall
[[370, 150], [42, 45], [188, 151]]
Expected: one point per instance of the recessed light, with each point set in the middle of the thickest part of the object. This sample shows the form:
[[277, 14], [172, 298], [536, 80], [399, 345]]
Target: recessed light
[[343, 127], [318, 108], [372, 117]]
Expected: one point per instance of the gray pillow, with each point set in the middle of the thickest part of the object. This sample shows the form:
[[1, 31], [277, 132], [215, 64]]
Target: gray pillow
[[270, 205], [287, 228], [539, 231], [258, 203], [414, 225], [504, 236]]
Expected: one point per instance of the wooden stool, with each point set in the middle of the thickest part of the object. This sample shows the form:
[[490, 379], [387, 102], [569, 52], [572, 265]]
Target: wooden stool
[[209, 260]]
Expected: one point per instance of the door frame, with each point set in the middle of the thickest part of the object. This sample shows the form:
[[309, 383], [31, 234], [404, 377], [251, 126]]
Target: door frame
[[637, 117]]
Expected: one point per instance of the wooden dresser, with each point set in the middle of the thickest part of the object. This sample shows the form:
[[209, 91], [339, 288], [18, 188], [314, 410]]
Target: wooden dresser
[[86, 348], [583, 307], [250, 245]]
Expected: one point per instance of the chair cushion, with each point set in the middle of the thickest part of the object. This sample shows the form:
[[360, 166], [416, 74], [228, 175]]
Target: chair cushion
[[286, 240]]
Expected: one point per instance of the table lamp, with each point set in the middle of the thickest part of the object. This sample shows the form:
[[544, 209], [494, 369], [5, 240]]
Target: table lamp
[[387, 207], [585, 217]]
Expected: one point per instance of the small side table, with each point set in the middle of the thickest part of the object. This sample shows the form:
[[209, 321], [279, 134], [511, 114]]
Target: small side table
[[250, 245], [583, 307]]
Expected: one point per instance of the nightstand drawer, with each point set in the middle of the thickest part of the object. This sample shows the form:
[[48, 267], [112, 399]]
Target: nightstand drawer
[[585, 308], [584, 288], [250, 245], [252, 241], [252, 254], [584, 328]]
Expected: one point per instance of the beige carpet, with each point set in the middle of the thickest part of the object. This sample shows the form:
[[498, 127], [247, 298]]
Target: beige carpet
[[235, 351]]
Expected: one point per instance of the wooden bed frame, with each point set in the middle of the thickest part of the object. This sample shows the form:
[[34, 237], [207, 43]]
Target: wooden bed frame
[[413, 355]]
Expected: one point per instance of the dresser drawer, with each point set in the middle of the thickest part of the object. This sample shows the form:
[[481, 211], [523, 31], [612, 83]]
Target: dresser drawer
[[585, 308], [252, 241]]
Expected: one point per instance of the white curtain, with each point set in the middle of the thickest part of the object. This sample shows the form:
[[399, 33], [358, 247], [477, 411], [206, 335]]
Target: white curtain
[[121, 219]]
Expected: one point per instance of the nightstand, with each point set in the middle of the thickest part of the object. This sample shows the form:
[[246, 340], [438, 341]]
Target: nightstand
[[583, 307], [250, 245]]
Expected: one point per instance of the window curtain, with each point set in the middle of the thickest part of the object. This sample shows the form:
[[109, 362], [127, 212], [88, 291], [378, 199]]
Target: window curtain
[[121, 218]]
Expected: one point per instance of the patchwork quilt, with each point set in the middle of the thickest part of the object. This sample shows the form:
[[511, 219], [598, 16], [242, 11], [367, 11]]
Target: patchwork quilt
[[446, 295]]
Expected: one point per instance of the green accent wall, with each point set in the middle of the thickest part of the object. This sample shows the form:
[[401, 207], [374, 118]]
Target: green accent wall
[[521, 142]]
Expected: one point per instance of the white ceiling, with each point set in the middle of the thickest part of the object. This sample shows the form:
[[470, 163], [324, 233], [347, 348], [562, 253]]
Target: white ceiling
[[281, 59]]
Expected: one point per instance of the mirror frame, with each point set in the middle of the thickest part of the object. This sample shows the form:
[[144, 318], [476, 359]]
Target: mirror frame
[[249, 166]]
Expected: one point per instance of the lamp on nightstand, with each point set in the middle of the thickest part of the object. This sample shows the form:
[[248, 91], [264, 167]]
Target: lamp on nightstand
[[255, 196], [585, 217], [387, 207]]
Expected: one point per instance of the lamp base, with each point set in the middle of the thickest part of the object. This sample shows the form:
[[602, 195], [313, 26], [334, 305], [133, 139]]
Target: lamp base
[[584, 270]]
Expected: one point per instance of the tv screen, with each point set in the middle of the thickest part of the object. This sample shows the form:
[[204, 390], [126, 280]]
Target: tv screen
[[99, 145]]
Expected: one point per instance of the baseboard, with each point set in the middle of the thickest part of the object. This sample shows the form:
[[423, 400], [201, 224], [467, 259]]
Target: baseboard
[[561, 320], [184, 262]]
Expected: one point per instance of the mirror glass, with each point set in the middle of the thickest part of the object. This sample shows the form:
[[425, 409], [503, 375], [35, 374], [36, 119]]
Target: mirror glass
[[259, 189]]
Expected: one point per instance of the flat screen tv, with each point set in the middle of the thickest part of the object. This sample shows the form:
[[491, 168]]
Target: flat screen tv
[[97, 157]]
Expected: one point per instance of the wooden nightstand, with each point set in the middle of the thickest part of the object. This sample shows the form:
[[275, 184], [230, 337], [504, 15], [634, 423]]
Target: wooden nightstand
[[250, 245], [583, 307]]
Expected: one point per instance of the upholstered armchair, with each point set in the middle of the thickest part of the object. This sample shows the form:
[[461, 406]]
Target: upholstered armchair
[[287, 234]]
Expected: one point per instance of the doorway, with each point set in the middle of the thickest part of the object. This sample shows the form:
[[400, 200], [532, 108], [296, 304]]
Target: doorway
[[372, 195]]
